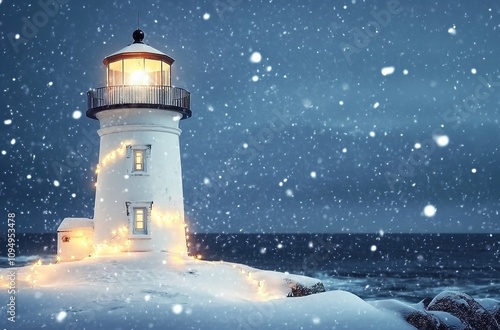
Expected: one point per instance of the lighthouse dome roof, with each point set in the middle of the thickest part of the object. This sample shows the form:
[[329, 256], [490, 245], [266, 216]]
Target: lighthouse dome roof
[[138, 49]]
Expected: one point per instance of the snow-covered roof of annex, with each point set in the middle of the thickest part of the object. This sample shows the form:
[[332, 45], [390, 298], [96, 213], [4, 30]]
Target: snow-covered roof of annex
[[70, 224], [138, 49]]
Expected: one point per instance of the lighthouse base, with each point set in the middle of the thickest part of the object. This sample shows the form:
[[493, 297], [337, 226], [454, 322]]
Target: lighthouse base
[[140, 245]]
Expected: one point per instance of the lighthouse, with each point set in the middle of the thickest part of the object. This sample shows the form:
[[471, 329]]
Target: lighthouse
[[139, 197]]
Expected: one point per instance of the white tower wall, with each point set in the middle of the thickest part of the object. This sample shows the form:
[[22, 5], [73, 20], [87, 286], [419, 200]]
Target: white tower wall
[[158, 189]]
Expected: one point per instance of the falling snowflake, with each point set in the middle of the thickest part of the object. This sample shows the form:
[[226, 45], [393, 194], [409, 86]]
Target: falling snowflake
[[256, 57], [388, 70], [430, 211]]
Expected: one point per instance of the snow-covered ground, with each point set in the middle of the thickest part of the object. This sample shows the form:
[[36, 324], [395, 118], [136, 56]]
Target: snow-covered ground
[[153, 290]]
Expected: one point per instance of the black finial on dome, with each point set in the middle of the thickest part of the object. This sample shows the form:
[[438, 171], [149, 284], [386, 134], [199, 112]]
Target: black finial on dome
[[138, 36]]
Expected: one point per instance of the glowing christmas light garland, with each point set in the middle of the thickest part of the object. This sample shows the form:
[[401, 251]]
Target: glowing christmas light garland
[[32, 277], [112, 155]]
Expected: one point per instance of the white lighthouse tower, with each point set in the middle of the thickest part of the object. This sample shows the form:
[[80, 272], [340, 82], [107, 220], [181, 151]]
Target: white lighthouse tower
[[139, 199]]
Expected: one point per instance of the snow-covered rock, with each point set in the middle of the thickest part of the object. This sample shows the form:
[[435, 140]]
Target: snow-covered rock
[[300, 290], [279, 285], [447, 311], [465, 308], [492, 306], [414, 315]]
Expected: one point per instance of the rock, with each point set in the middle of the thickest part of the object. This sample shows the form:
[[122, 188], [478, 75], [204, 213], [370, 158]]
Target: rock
[[414, 315], [299, 290], [423, 321], [465, 308], [492, 306], [447, 311], [279, 285], [448, 321]]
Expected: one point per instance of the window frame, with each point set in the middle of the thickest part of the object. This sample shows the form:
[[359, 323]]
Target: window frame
[[132, 208], [132, 151]]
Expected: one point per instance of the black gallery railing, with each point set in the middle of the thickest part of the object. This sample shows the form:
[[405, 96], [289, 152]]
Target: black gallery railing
[[163, 96]]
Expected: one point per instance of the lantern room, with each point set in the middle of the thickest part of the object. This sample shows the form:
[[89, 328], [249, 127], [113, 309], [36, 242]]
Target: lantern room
[[138, 64], [138, 76]]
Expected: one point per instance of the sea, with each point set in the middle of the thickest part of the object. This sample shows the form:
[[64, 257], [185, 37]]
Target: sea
[[407, 267]]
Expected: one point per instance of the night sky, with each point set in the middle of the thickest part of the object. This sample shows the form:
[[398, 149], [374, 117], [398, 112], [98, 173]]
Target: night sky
[[355, 116]]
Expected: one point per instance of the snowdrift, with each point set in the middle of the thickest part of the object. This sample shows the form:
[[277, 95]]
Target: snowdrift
[[154, 290]]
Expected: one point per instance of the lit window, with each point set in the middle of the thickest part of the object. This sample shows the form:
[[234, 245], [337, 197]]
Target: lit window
[[139, 218], [140, 223], [138, 160]]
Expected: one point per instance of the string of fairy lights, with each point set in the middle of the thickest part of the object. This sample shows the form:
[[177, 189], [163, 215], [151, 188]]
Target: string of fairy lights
[[120, 241], [120, 235]]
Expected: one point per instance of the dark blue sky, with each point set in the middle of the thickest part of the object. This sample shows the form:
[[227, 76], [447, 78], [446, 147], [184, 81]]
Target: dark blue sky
[[331, 142]]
